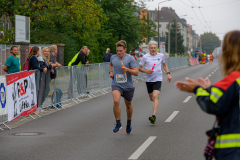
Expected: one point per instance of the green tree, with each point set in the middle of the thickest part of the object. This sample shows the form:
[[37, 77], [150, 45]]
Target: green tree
[[147, 26], [209, 42], [98, 24], [123, 23], [180, 46], [71, 22]]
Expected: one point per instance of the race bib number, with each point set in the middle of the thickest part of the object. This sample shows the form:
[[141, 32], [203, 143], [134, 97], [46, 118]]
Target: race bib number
[[121, 78]]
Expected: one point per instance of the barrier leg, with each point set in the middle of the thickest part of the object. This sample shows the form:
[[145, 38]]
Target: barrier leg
[[6, 126]]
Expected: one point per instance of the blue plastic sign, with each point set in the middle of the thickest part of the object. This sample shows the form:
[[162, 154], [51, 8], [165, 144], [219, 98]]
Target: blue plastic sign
[[3, 103]]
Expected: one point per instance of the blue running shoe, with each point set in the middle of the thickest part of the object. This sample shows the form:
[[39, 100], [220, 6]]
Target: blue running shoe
[[117, 128], [129, 129]]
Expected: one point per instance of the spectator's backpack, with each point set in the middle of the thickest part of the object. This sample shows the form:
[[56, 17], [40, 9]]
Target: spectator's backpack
[[57, 99], [26, 66], [108, 57]]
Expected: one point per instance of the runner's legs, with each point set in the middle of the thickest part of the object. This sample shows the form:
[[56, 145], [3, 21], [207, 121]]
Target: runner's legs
[[116, 104], [154, 97], [129, 109]]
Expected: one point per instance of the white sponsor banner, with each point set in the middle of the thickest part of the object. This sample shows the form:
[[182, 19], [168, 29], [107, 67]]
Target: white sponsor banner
[[3, 96], [21, 94]]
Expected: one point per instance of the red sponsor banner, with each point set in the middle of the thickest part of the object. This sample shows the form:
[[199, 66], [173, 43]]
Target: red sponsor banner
[[193, 61], [11, 78]]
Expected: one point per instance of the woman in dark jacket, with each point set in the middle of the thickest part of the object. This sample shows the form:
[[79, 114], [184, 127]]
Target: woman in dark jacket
[[107, 56], [33, 62], [35, 65]]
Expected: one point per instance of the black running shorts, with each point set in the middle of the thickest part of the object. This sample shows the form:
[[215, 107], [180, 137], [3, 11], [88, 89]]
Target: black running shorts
[[151, 86], [126, 93]]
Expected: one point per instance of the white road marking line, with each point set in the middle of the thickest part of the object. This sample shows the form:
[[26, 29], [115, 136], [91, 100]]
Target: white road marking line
[[172, 116], [142, 148], [187, 99]]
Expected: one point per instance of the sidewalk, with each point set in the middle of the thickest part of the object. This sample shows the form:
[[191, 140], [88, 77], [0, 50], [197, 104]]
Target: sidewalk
[[47, 111]]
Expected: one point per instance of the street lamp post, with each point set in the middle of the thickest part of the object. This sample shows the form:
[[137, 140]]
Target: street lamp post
[[158, 20]]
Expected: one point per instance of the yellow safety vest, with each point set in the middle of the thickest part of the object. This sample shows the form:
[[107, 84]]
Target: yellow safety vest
[[19, 62], [74, 59]]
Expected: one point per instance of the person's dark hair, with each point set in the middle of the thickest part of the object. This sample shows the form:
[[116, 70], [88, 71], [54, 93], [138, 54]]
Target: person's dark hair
[[13, 47], [33, 51], [133, 52]]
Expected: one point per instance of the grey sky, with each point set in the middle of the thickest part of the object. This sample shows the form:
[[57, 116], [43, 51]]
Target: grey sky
[[217, 16]]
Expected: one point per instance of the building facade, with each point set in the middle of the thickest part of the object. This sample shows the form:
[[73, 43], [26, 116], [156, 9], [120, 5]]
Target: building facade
[[167, 15]]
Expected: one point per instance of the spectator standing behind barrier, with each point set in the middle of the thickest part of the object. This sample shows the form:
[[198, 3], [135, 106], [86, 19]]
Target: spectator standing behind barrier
[[45, 79], [222, 99], [53, 56], [12, 63], [78, 72], [35, 65], [133, 53], [107, 56]]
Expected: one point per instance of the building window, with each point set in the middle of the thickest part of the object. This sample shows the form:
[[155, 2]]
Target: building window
[[160, 26]]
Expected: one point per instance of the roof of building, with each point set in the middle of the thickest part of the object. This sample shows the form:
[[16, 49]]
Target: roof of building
[[168, 14]]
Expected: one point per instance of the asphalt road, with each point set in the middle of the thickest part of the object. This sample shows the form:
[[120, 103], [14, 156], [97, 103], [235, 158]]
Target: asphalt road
[[84, 131]]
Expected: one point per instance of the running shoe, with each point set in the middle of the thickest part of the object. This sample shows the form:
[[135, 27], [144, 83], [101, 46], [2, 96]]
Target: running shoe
[[152, 119], [117, 128], [128, 129]]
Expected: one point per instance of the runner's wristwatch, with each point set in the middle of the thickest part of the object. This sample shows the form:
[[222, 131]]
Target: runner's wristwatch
[[110, 71], [168, 73]]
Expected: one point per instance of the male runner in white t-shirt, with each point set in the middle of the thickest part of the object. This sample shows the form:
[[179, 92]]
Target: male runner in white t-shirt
[[152, 62]]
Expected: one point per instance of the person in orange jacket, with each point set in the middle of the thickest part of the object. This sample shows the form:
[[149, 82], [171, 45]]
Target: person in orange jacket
[[211, 58]]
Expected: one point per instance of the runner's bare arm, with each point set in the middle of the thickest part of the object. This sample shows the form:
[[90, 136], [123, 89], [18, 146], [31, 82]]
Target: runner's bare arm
[[111, 69], [144, 70], [132, 71], [165, 67]]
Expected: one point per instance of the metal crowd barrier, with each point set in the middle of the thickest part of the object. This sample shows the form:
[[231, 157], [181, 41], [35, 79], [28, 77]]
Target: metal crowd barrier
[[76, 82]]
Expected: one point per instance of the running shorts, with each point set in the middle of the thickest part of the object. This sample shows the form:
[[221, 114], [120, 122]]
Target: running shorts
[[151, 86], [126, 93]]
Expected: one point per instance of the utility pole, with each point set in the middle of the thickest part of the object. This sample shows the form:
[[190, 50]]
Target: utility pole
[[176, 37], [200, 43], [169, 38]]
